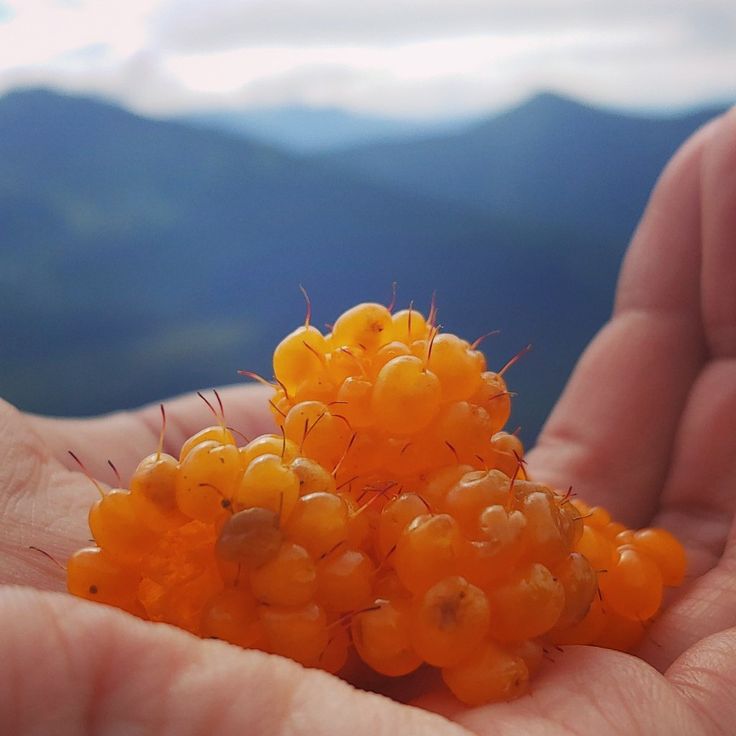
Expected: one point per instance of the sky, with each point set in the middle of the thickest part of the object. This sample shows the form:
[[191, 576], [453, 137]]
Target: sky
[[396, 58]]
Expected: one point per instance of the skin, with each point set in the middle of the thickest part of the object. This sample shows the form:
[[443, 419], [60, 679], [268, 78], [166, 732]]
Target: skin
[[645, 427]]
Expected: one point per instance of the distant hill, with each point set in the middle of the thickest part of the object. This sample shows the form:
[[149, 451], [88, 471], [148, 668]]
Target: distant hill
[[552, 160], [141, 258], [314, 129]]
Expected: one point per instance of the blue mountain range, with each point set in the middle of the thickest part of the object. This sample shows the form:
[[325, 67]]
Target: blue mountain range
[[140, 258]]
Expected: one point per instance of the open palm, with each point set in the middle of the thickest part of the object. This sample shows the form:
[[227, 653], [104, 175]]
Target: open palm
[[646, 427]]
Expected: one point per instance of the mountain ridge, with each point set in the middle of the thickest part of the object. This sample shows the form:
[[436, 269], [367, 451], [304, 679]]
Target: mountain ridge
[[141, 258]]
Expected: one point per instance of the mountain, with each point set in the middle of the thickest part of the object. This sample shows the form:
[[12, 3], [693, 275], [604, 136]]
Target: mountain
[[141, 258], [551, 159], [314, 129]]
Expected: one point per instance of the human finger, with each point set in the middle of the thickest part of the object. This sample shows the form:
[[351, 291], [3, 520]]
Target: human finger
[[74, 667]]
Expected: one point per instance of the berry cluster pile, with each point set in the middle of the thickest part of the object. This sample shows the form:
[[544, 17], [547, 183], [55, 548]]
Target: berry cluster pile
[[390, 519]]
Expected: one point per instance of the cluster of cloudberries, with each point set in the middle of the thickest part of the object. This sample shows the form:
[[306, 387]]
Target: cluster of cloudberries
[[389, 517]]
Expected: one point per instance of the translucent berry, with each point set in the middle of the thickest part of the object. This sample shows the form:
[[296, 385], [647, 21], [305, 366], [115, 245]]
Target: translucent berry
[[439, 482], [429, 549], [299, 633], [269, 444], [449, 621], [97, 575], [489, 674], [287, 579], [334, 656], [116, 527], [300, 355], [409, 325], [396, 515], [320, 433], [153, 488], [666, 551], [250, 537], [269, 484], [231, 616], [492, 394], [580, 584], [527, 605], [318, 523], [207, 476], [632, 585], [345, 580], [457, 367], [312, 476], [367, 325], [596, 548], [218, 434], [354, 399], [474, 492], [406, 396], [381, 636]]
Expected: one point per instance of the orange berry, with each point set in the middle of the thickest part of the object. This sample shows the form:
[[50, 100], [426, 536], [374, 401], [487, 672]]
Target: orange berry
[[318, 522], [528, 605], [586, 631], [596, 548], [439, 483], [474, 492], [208, 475], [250, 537], [287, 579], [116, 527], [218, 434], [299, 356], [269, 444], [580, 584], [335, 654], [153, 489], [344, 580], [508, 443], [429, 549], [492, 394], [354, 397], [457, 367], [666, 551], [97, 575], [619, 632], [409, 325], [320, 433], [406, 396], [548, 536], [489, 674], [632, 585], [313, 478], [464, 426], [396, 515], [449, 621], [269, 484], [381, 637], [384, 354], [231, 616], [299, 633], [367, 325]]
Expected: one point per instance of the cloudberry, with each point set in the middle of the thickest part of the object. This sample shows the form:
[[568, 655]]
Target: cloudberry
[[391, 518]]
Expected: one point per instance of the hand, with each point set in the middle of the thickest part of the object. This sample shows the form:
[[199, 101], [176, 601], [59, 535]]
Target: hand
[[646, 427]]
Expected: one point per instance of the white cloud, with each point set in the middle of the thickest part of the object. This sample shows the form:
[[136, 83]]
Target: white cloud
[[192, 25], [401, 57]]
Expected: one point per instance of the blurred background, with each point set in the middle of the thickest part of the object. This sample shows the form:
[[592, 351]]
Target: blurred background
[[172, 170]]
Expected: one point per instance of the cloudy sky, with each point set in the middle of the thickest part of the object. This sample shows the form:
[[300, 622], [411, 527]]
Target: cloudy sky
[[406, 58]]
